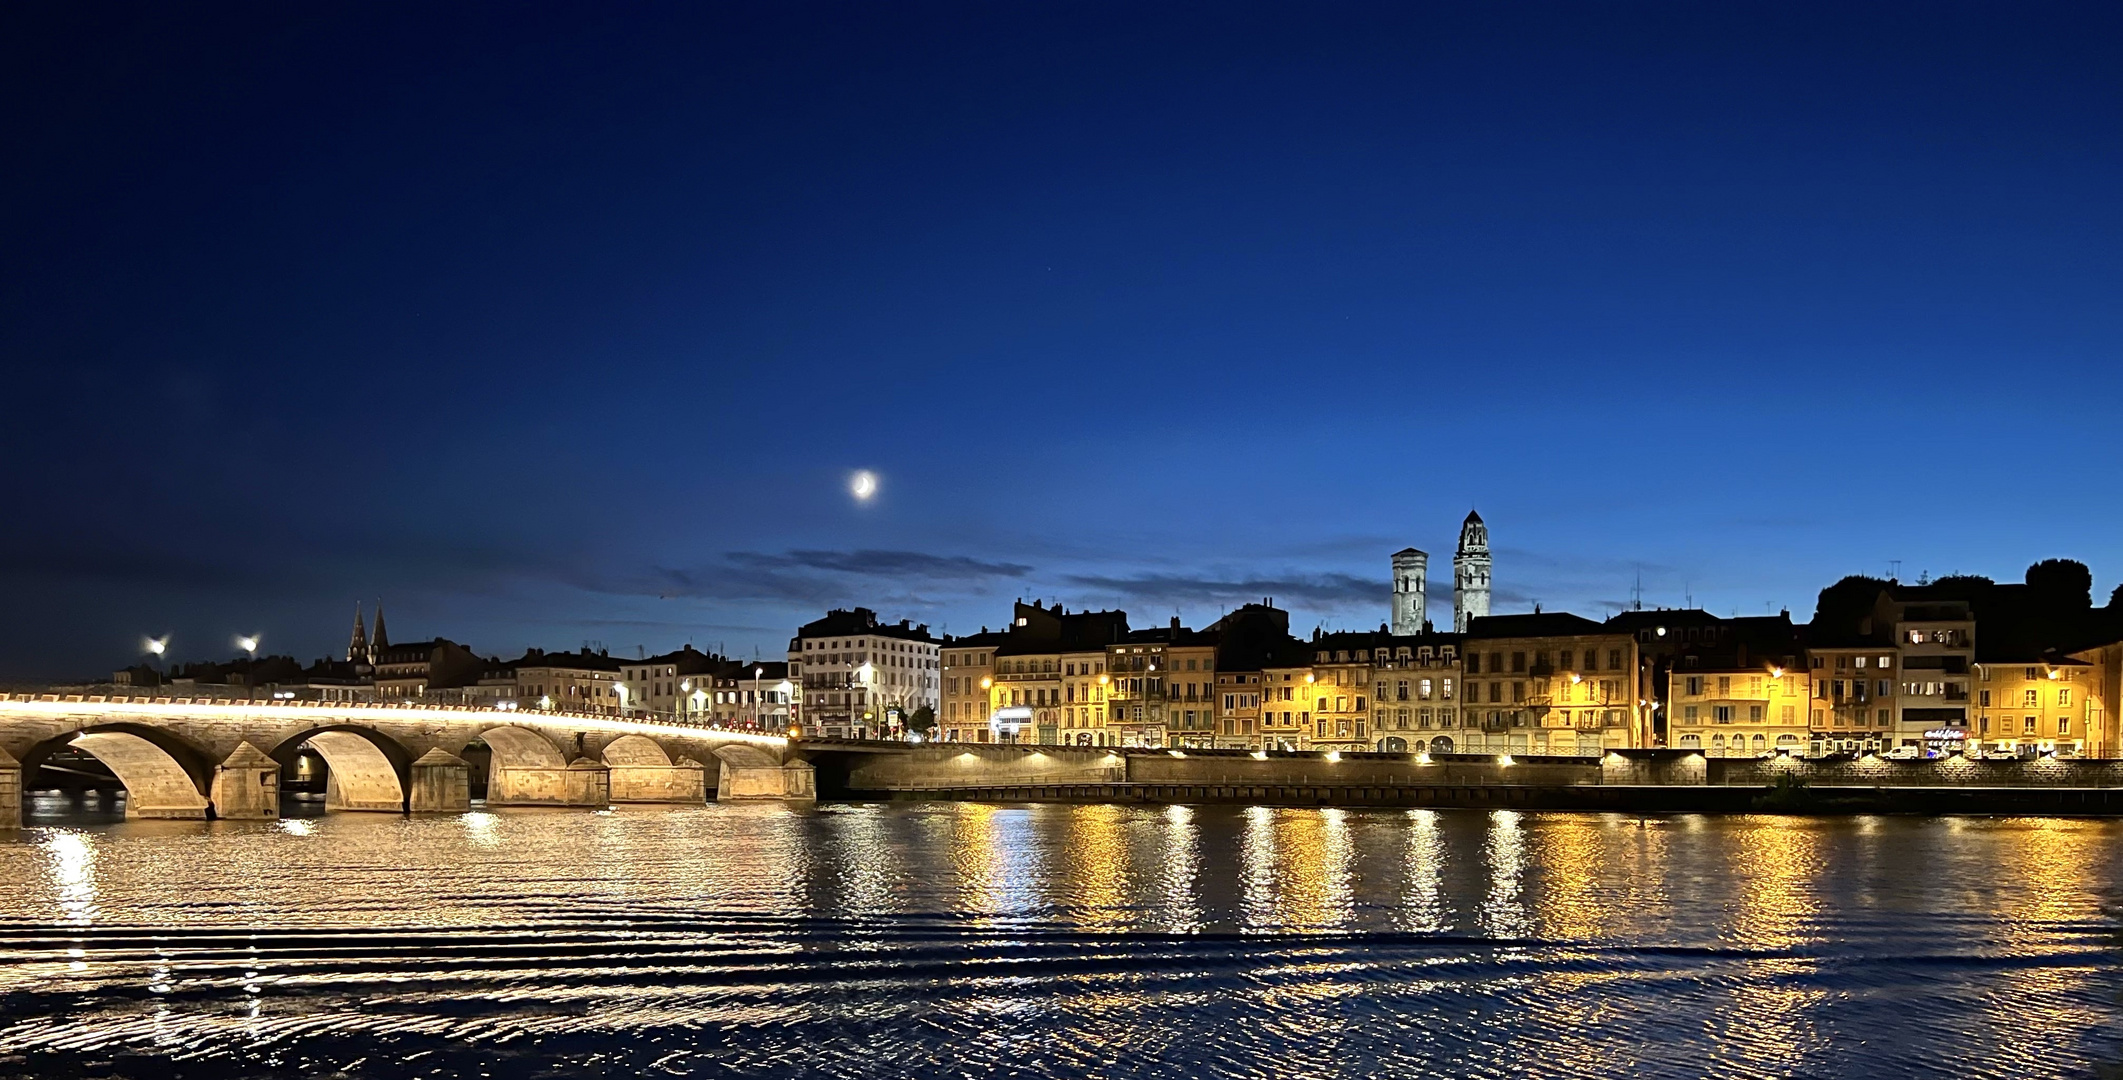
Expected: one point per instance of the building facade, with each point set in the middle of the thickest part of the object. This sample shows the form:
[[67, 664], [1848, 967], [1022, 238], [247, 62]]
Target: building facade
[[1550, 684], [854, 677]]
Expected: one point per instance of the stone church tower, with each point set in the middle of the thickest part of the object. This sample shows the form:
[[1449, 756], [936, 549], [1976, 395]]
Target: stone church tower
[[1470, 573], [1411, 569]]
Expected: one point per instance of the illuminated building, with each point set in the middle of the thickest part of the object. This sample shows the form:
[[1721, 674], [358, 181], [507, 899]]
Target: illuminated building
[[1286, 698], [1042, 679], [1746, 692], [2035, 705], [658, 685], [1146, 697], [968, 674], [1550, 683], [758, 695], [1415, 692], [1340, 691], [418, 669], [567, 681], [854, 677], [1852, 704], [1247, 639]]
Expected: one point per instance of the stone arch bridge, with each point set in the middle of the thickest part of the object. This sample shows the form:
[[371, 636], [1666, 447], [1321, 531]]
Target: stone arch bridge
[[186, 758]]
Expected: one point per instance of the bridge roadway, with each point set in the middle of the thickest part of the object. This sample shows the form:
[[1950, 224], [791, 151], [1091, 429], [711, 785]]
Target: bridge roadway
[[187, 758]]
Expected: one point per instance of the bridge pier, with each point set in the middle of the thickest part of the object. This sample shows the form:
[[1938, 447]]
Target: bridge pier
[[247, 786], [790, 781], [588, 783], [441, 784], [10, 792]]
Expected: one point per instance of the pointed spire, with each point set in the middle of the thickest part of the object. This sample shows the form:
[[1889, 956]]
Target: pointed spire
[[379, 640], [357, 647]]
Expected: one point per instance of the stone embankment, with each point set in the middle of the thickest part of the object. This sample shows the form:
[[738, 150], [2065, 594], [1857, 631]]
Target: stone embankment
[[1630, 780]]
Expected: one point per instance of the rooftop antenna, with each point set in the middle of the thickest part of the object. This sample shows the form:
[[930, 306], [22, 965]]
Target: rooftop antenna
[[1636, 591], [1687, 595], [1894, 569]]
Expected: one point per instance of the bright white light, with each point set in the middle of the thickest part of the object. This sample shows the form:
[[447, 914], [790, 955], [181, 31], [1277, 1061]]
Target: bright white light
[[248, 643], [864, 485], [1260, 755], [157, 644]]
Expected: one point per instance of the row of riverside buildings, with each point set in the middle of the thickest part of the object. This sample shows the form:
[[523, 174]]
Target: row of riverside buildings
[[1961, 664], [1958, 665], [686, 686]]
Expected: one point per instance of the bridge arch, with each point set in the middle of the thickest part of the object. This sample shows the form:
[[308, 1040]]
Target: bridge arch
[[366, 769], [631, 751], [748, 756], [521, 748], [164, 776]]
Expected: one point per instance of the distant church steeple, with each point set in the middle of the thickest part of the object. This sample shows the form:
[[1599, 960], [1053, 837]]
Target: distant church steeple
[[1470, 573], [357, 648], [381, 640]]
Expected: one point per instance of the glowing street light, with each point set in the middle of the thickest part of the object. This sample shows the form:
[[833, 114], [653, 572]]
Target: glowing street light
[[248, 643], [158, 645]]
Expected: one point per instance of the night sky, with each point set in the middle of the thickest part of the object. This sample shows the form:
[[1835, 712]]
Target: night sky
[[551, 325]]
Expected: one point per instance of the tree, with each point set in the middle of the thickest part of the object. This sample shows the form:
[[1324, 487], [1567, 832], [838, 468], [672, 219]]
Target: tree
[[921, 720], [2064, 583], [1843, 604]]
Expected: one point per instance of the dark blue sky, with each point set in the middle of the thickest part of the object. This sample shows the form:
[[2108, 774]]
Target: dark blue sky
[[560, 324]]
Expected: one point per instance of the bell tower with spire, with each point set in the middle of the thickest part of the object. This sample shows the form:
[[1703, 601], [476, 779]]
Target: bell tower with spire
[[1470, 573], [357, 648], [381, 640]]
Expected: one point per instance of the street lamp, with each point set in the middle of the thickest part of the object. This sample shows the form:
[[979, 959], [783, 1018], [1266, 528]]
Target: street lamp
[[156, 646], [757, 671], [248, 643]]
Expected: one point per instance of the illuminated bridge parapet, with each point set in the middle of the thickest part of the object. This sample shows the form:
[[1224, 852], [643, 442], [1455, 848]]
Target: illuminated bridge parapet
[[183, 757]]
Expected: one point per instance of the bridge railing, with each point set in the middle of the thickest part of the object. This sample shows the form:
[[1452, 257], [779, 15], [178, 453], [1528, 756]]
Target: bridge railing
[[548, 715]]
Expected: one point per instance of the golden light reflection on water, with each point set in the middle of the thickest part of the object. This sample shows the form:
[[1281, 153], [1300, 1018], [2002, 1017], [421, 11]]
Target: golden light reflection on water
[[995, 930], [2055, 865], [1422, 907], [1504, 912]]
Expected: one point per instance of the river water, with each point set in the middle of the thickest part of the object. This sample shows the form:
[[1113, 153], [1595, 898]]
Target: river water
[[1060, 941]]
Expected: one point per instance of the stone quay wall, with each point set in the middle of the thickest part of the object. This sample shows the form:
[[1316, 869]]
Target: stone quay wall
[[1633, 781]]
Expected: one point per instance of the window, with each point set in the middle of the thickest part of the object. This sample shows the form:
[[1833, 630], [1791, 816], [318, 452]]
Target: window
[[2063, 726], [1564, 658], [1695, 685], [1724, 686], [1722, 714], [2032, 697], [1860, 662], [1518, 661], [1691, 713], [2029, 726], [2064, 696], [1754, 714]]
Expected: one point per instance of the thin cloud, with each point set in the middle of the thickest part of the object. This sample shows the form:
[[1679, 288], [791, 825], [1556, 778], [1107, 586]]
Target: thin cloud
[[1324, 590]]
